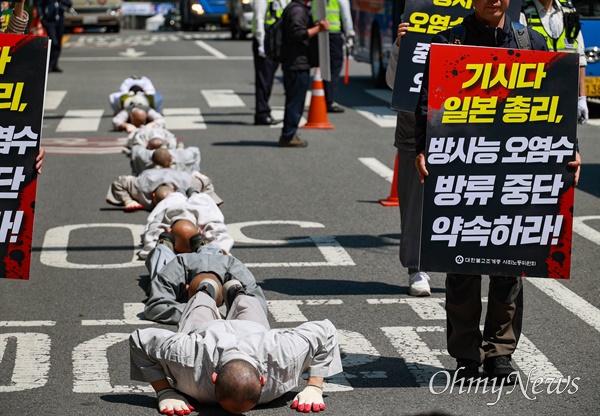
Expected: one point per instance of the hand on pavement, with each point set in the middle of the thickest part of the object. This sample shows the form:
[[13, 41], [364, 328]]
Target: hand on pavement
[[171, 403], [311, 398]]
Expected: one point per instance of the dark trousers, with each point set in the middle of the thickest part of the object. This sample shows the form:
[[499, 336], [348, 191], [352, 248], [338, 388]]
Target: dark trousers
[[503, 320], [296, 86], [264, 74], [336, 61], [55, 33]]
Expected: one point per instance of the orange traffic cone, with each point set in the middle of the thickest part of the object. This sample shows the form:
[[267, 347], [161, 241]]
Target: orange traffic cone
[[392, 200], [39, 29], [317, 112]]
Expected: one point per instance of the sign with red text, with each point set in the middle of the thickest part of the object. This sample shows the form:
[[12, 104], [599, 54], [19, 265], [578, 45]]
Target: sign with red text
[[501, 130], [23, 71]]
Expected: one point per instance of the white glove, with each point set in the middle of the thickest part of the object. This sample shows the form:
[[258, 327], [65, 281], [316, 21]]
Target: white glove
[[309, 398], [349, 43], [583, 114], [170, 403], [261, 51]]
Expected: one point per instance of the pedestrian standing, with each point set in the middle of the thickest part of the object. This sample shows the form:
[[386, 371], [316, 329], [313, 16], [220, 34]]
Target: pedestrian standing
[[410, 191], [298, 30], [488, 26], [52, 14], [266, 12], [341, 34], [558, 22]]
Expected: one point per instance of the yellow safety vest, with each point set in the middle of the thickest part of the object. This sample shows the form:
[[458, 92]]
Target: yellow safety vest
[[274, 12], [332, 14], [564, 43]]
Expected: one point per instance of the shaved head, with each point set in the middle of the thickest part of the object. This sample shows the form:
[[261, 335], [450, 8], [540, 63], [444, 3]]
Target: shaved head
[[183, 231], [238, 386], [162, 157], [138, 116]]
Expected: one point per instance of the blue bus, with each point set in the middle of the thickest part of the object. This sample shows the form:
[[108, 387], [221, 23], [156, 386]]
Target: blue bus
[[205, 14], [589, 16]]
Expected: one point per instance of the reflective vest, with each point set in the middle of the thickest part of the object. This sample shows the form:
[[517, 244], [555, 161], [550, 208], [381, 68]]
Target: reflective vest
[[332, 14], [564, 43], [274, 12]]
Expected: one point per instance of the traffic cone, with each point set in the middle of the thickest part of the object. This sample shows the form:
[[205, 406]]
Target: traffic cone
[[392, 200], [39, 29], [317, 112]]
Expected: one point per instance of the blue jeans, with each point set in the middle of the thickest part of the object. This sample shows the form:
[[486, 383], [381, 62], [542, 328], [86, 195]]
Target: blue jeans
[[296, 86]]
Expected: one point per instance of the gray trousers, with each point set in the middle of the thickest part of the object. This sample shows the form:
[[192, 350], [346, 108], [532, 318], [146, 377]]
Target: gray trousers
[[503, 319], [125, 189], [202, 308]]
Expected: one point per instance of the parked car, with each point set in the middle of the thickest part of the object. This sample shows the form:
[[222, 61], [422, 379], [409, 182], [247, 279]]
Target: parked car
[[92, 14], [240, 14]]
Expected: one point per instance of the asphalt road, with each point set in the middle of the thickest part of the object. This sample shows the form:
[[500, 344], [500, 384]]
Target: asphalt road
[[306, 221]]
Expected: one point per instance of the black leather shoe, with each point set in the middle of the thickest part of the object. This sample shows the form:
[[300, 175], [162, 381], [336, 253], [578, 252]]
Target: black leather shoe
[[295, 141], [500, 368], [267, 121], [466, 370], [56, 69], [335, 108]]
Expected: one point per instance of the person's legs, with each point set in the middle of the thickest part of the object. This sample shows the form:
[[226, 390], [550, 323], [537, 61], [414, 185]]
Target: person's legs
[[201, 308], [51, 30], [264, 74], [336, 60], [60, 30], [504, 317], [123, 189], [296, 86], [463, 313], [248, 308]]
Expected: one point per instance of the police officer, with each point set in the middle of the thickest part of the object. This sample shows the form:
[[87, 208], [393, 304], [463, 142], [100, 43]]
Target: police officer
[[265, 14], [558, 22], [340, 21], [51, 12]]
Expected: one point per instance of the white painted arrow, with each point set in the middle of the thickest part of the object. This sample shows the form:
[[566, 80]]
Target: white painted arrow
[[131, 53]]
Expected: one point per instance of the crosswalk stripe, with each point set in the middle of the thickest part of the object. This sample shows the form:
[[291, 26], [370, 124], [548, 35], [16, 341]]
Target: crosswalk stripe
[[378, 167], [222, 98], [184, 119], [80, 120], [380, 115], [214, 52], [53, 99], [277, 113]]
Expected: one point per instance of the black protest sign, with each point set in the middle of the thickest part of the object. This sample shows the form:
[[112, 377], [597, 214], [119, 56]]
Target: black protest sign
[[501, 129], [23, 63]]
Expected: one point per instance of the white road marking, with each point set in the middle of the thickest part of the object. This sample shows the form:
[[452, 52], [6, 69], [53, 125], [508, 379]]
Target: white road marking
[[56, 241], [80, 120], [584, 230], [7, 324], [331, 250], [423, 363], [133, 314], [378, 167], [184, 119], [216, 53], [53, 99], [31, 361], [289, 310], [278, 113], [222, 98], [569, 300], [90, 367], [382, 116]]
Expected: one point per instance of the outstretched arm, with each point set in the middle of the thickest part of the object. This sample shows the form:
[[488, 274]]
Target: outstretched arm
[[169, 401]]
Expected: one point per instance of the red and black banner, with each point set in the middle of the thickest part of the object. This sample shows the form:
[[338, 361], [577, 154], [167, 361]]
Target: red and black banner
[[501, 129], [23, 71], [426, 18]]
